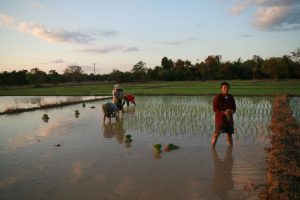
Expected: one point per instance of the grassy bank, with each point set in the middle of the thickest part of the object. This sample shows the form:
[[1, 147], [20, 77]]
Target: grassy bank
[[261, 87], [283, 160]]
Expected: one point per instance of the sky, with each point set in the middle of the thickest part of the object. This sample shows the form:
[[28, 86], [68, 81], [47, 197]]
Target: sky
[[117, 34]]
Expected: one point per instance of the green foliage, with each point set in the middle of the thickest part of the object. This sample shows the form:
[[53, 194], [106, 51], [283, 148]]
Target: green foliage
[[127, 138], [73, 73], [212, 68], [157, 146]]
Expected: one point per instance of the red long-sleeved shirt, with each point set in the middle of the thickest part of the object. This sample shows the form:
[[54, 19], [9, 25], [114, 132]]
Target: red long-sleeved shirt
[[222, 102], [129, 98]]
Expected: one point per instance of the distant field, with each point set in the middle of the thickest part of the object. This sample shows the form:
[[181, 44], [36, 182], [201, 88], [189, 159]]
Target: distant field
[[164, 88]]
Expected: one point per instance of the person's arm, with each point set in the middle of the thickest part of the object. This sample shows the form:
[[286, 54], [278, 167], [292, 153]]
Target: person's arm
[[234, 105], [117, 115], [216, 106]]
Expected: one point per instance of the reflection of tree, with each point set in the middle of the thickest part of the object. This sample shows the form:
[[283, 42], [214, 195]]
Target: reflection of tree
[[73, 98], [222, 181], [116, 129]]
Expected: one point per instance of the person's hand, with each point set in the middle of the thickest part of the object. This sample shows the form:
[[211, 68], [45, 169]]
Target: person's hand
[[228, 112]]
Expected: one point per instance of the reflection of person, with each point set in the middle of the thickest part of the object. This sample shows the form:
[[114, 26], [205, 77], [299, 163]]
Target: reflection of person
[[222, 181], [129, 98], [114, 130], [110, 110], [117, 95], [223, 106]]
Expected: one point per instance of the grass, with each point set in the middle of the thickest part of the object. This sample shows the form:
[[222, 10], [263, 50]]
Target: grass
[[257, 87]]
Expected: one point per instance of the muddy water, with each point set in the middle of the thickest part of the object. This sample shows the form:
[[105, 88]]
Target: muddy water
[[79, 157]]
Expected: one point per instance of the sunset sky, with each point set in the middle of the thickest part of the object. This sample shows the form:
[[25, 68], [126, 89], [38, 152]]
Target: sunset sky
[[53, 34]]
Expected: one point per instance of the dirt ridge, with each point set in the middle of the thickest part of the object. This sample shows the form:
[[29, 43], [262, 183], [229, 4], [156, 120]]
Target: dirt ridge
[[283, 156]]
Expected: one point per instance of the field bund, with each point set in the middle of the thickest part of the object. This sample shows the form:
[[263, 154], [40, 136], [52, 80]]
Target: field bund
[[283, 160]]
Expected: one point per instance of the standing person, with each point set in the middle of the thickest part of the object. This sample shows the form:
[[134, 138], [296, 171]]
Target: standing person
[[223, 106], [117, 94]]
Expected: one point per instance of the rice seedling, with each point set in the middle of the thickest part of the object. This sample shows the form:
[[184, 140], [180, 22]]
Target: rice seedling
[[157, 148], [77, 113], [294, 103], [45, 118], [127, 138], [193, 116]]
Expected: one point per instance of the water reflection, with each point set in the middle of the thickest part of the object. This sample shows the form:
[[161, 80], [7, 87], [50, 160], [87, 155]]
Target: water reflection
[[115, 129], [222, 181], [14, 102]]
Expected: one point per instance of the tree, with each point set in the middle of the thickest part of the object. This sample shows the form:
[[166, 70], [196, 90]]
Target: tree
[[167, 64], [73, 73], [239, 71], [292, 67], [116, 75], [213, 67], [184, 70], [156, 73], [139, 71], [140, 67], [36, 76], [296, 55], [13, 78], [54, 76], [276, 68]]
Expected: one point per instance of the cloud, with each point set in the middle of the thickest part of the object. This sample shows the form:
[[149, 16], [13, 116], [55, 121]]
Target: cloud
[[6, 20], [54, 35], [131, 49], [172, 43], [61, 35], [109, 48], [277, 18], [109, 33], [239, 7], [245, 36], [103, 49], [200, 26], [271, 15], [58, 61], [42, 32], [192, 39], [35, 4], [105, 33], [176, 43]]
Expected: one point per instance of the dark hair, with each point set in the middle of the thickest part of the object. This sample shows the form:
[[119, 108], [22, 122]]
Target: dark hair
[[225, 83]]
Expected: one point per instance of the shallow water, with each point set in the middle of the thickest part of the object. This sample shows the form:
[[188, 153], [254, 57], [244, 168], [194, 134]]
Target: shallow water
[[14, 102], [294, 103], [92, 161]]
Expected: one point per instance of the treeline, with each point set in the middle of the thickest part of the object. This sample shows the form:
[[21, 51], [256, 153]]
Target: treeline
[[212, 68]]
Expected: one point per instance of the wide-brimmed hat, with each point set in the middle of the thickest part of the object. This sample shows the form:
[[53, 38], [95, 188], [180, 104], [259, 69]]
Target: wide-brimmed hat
[[117, 86]]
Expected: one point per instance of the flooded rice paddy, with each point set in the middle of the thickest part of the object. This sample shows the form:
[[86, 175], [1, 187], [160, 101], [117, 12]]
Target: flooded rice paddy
[[24, 102], [78, 157], [294, 104]]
